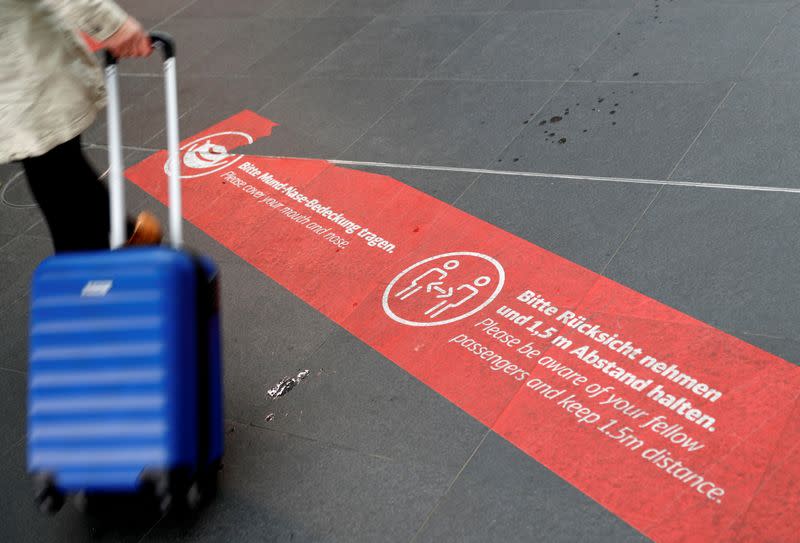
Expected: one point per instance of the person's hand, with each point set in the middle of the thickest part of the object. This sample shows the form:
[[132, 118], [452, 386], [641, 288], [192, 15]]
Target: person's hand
[[129, 41]]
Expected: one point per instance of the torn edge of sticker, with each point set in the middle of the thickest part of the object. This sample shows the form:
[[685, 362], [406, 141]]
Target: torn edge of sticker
[[286, 384]]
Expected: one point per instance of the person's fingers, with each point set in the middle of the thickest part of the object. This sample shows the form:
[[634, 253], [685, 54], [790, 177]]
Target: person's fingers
[[144, 46], [132, 47], [124, 51]]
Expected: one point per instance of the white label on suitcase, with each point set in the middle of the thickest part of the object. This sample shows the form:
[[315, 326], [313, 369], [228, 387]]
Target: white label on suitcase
[[97, 288]]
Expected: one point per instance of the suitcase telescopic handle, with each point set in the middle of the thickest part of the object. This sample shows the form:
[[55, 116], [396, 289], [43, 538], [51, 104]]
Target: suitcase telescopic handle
[[166, 44]]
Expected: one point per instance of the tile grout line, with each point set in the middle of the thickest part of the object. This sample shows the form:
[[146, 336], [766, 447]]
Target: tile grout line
[[766, 40], [177, 12], [632, 229], [24, 232], [449, 487], [311, 69], [149, 530], [419, 82], [730, 90], [700, 133]]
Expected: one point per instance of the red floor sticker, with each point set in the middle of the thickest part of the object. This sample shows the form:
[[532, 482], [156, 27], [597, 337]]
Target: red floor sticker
[[683, 431]]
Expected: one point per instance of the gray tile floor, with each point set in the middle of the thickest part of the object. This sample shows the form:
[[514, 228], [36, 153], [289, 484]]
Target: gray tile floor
[[668, 92]]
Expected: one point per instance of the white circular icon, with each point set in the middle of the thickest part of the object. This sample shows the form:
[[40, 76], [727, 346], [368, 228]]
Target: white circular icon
[[207, 155], [444, 288]]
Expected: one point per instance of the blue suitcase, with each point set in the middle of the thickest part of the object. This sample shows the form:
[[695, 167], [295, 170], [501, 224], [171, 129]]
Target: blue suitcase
[[125, 379]]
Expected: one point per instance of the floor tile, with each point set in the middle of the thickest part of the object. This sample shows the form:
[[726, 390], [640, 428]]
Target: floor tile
[[360, 7], [298, 8], [533, 45], [705, 42], [536, 5], [14, 330], [313, 43], [625, 130], [257, 354], [455, 123], [775, 61], [357, 399], [214, 99], [400, 46], [146, 119], [13, 390], [153, 9], [277, 487], [251, 40], [500, 493], [194, 36], [18, 259], [132, 90], [408, 7], [16, 214], [750, 140], [726, 257], [223, 8], [582, 221], [322, 117]]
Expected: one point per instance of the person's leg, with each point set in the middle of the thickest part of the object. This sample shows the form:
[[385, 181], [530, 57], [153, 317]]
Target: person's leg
[[72, 198]]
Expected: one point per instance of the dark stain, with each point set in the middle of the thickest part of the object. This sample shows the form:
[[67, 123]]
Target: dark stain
[[635, 74], [416, 229], [600, 100], [516, 160], [555, 119], [616, 105], [552, 134], [562, 140], [524, 122], [612, 111], [614, 123], [542, 123], [585, 130]]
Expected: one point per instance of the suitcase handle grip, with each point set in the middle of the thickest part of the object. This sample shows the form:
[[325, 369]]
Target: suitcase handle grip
[[116, 183], [161, 40]]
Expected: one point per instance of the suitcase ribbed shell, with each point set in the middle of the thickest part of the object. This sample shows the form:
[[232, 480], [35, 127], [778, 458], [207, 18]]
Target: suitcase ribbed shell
[[113, 376]]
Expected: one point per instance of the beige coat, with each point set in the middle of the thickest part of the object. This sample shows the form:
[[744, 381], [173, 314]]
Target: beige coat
[[51, 86]]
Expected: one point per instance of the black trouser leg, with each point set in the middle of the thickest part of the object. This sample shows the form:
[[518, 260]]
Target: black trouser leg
[[72, 198]]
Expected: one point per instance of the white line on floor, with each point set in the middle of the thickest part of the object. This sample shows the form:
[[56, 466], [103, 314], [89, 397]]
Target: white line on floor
[[566, 176]]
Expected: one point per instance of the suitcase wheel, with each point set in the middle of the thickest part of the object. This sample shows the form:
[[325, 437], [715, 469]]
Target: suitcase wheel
[[48, 499], [205, 487], [168, 489]]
